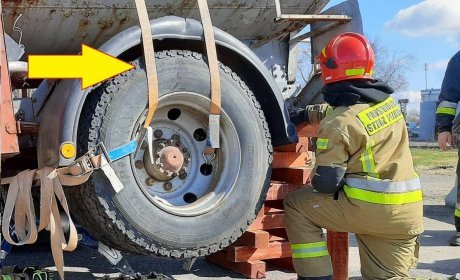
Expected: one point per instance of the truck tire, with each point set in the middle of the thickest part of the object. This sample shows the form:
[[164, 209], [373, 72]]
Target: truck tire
[[192, 212]]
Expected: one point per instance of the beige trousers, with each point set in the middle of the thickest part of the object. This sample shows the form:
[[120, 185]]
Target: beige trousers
[[383, 255]]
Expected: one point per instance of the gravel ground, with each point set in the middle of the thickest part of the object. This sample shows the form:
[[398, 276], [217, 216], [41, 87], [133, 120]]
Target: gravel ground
[[437, 259]]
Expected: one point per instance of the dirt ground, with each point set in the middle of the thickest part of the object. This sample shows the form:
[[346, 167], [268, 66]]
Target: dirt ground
[[437, 259]]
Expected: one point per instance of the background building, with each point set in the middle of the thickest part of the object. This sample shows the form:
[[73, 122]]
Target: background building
[[428, 106]]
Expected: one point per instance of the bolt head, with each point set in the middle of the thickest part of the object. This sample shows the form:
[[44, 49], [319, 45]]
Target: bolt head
[[149, 181], [144, 145], [167, 186], [175, 137], [158, 133], [183, 176]]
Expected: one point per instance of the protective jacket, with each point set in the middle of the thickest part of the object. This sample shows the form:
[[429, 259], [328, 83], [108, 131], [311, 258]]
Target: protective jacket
[[445, 114], [450, 95], [363, 147]]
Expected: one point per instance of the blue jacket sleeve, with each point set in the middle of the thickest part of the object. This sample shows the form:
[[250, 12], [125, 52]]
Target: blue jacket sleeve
[[450, 95]]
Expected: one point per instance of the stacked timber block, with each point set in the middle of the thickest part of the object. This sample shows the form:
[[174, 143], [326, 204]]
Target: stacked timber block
[[265, 242]]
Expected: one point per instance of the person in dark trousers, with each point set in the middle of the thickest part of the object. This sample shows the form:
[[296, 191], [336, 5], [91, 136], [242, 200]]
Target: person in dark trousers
[[364, 179], [445, 120]]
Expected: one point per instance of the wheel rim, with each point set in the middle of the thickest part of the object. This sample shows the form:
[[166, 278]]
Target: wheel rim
[[179, 181]]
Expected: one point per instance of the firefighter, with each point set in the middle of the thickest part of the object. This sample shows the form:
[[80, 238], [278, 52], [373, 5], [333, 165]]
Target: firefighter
[[364, 180], [445, 114]]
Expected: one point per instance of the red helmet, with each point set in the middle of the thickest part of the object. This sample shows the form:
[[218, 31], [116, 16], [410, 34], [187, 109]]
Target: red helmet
[[346, 56]]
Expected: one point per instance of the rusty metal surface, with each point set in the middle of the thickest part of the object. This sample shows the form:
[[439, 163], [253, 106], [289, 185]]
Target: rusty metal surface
[[8, 129], [60, 26]]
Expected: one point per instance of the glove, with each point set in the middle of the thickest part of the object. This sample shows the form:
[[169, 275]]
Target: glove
[[314, 114]]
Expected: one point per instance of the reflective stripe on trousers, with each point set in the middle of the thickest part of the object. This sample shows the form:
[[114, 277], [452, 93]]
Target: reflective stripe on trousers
[[309, 250]]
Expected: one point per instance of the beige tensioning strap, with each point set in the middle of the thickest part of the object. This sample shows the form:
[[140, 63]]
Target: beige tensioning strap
[[152, 79], [149, 56], [210, 41], [216, 102], [19, 201]]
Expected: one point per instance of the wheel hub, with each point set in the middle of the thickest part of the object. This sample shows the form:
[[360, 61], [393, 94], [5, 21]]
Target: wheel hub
[[180, 180], [170, 160]]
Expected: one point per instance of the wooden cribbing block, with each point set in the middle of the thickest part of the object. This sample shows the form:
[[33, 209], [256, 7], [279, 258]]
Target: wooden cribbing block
[[268, 221], [337, 243], [275, 250], [299, 147], [300, 176], [284, 263], [279, 232], [276, 238], [290, 160], [253, 269], [278, 191], [273, 206], [254, 238], [307, 130]]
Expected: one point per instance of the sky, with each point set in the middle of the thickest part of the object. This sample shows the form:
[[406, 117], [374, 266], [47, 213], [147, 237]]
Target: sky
[[429, 30]]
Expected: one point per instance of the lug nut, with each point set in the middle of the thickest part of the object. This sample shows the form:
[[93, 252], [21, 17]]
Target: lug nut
[[183, 176], [139, 164], [158, 133], [167, 186], [149, 181], [175, 137], [184, 150]]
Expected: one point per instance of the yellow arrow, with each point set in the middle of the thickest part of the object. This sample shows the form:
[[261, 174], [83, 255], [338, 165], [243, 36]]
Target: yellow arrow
[[92, 66]]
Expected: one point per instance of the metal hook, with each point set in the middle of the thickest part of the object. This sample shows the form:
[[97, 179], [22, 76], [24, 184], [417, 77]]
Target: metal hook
[[208, 161]]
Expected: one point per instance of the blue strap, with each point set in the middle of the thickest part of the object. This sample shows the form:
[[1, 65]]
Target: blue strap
[[123, 151]]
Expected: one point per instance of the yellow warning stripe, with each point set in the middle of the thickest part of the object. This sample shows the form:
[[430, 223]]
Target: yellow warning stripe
[[383, 198], [321, 143], [309, 250], [447, 111], [355, 72]]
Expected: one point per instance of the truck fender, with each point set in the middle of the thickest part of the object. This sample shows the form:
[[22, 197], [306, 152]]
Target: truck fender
[[61, 113]]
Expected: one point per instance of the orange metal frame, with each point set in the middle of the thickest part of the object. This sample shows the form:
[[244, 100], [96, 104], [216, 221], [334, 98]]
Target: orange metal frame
[[8, 126]]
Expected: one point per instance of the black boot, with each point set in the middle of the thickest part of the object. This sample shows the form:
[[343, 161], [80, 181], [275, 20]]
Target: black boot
[[455, 240]]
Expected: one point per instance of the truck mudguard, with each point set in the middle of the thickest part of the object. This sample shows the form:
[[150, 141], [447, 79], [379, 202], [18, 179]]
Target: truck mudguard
[[60, 115]]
